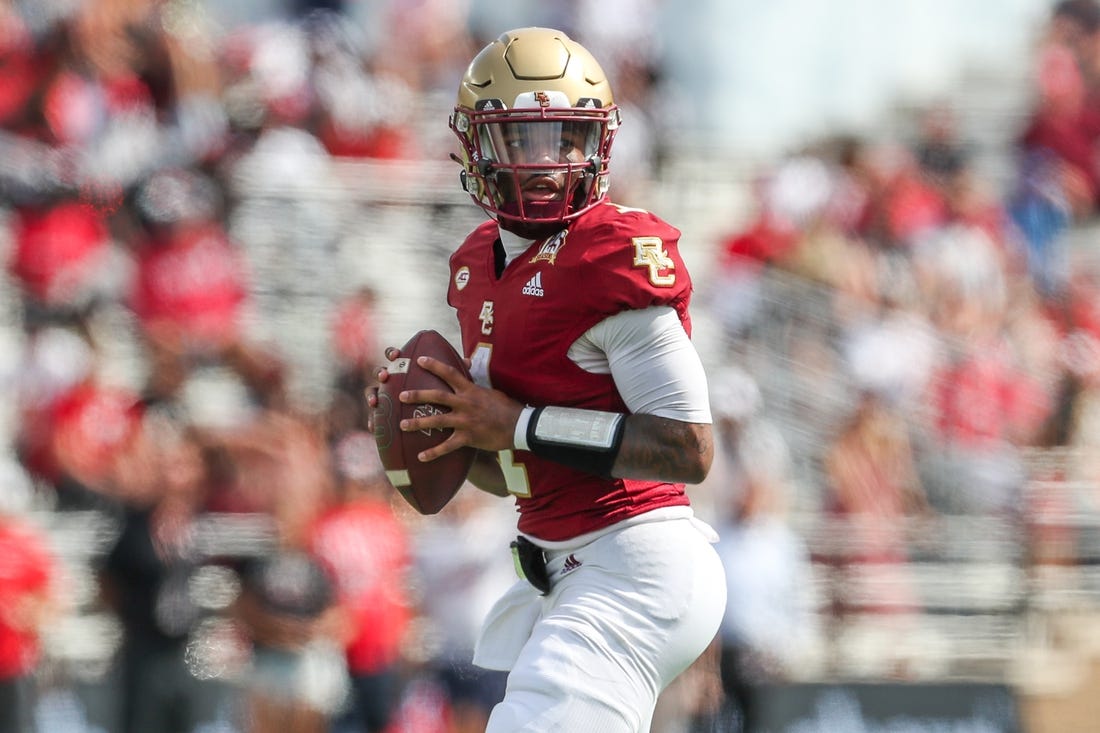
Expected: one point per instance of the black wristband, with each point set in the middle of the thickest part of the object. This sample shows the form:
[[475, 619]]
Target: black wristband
[[587, 440]]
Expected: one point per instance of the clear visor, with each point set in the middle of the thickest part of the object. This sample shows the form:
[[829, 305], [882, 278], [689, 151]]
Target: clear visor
[[540, 142]]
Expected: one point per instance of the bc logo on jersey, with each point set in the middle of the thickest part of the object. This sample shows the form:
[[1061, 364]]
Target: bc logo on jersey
[[486, 317], [649, 252]]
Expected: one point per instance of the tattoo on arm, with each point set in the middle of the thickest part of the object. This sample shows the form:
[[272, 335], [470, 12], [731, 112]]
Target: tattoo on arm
[[660, 449]]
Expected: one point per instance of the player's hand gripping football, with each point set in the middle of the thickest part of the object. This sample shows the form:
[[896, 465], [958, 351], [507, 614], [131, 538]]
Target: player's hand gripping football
[[480, 417]]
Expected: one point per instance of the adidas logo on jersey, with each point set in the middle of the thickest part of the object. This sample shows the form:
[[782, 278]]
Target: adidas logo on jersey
[[534, 286], [571, 564]]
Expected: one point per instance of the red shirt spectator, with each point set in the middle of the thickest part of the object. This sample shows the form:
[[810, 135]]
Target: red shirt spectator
[[18, 71], [88, 426], [383, 142], [190, 285], [913, 207], [366, 549], [59, 251], [765, 241], [354, 331], [1083, 304], [367, 552], [27, 569], [983, 399], [1064, 127]]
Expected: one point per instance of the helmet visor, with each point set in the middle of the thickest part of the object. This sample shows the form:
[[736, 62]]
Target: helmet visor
[[541, 142]]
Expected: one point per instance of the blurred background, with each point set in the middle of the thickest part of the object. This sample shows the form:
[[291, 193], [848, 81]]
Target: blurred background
[[214, 215]]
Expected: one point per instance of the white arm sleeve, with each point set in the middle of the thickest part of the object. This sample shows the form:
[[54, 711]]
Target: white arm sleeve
[[653, 362]]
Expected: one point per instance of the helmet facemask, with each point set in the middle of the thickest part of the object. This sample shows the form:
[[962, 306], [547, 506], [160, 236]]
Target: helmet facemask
[[542, 165]]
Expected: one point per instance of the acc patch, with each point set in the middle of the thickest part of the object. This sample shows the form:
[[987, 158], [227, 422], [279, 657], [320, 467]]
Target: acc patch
[[462, 277]]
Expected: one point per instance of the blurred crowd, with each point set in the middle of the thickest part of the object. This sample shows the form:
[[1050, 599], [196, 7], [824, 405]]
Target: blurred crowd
[[947, 332], [262, 572], [956, 321]]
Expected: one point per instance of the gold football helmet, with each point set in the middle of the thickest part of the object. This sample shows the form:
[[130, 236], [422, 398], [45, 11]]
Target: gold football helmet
[[536, 120]]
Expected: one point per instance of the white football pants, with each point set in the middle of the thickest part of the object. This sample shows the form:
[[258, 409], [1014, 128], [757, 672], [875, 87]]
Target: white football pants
[[626, 614]]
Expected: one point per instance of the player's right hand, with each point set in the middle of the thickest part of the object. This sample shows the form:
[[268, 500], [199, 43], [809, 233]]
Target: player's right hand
[[482, 417]]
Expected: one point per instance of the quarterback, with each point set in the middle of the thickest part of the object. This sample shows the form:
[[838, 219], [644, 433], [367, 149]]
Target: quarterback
[[588, 401]]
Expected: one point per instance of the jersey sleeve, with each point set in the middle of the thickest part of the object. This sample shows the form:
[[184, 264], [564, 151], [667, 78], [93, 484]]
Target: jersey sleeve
[[654, 364], [633, 262]]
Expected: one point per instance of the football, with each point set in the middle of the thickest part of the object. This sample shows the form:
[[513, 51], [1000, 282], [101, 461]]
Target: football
[[428, 487]]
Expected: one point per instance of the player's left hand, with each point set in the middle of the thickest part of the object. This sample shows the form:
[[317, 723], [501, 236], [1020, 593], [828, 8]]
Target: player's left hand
[[392, 353], [480, 417]]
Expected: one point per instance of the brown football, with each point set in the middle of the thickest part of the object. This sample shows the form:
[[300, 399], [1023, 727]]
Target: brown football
[[426, 486]]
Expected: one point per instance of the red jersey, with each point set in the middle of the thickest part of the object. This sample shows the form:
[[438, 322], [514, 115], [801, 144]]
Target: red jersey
[[26, 569], [59, 250], [195, 281], [87, 427], [365, 548], [985, 399], [517, 329]]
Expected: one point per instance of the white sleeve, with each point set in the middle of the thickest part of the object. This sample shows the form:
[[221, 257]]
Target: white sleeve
[[652, 360]]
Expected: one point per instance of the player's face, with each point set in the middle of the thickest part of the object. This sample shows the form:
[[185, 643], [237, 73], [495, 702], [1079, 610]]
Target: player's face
[[531, 143], [548, 157]]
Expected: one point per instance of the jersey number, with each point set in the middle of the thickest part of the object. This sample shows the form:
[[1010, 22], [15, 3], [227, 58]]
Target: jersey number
[[515, 473]]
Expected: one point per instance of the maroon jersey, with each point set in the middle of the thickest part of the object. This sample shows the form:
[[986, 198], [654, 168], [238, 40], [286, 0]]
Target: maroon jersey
[[517, 329]]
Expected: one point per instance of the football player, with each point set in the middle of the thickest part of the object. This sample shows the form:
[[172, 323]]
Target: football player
[[588, 402]]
